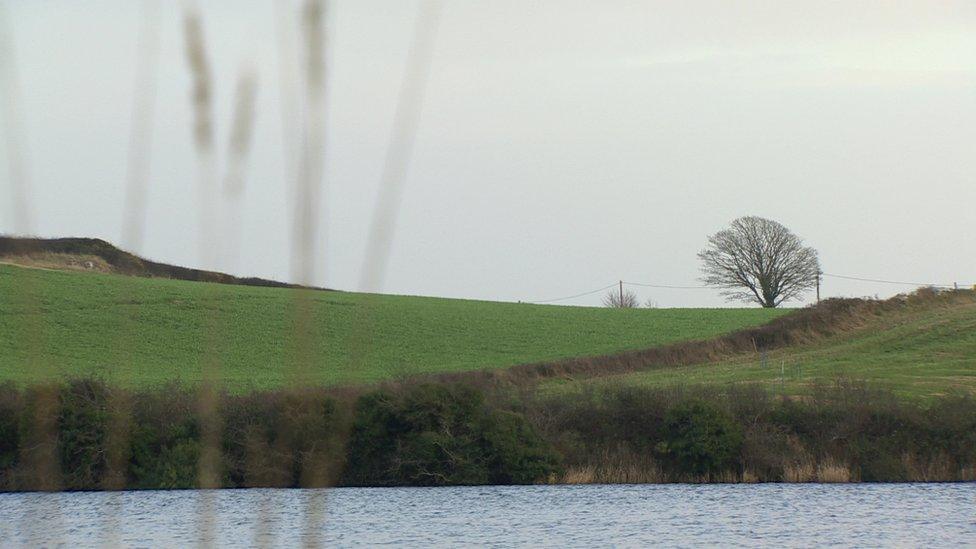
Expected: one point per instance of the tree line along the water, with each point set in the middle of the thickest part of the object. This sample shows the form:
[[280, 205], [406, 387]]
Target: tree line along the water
[[435, 434]]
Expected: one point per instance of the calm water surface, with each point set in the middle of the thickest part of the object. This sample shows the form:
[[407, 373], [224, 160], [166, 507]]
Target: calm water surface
[[673, 515]]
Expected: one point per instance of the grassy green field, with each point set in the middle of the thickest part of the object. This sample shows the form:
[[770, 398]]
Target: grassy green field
[[144, 332], [920, 353]]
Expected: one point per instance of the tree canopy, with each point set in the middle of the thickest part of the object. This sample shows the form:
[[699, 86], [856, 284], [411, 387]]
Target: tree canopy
[[758, 259]]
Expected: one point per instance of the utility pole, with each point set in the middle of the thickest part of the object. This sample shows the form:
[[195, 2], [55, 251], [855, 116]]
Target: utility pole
[[819, 276], [621, 294]]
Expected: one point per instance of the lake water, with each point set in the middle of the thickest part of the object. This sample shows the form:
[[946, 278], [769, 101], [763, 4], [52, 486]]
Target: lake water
[[621, 515]]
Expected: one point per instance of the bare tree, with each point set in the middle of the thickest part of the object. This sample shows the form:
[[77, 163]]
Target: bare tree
[[621, 300], [759, 260]]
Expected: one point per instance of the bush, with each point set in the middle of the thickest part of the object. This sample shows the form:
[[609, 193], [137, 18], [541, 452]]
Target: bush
[[165, 441], [82, 428], [516, 454], [285, 440], [437, 435], [767, 449], [952, 426], [10, 404], [699, 439]]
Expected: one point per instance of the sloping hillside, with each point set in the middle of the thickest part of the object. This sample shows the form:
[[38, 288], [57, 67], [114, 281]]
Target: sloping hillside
[[145, 331], [920, 346]]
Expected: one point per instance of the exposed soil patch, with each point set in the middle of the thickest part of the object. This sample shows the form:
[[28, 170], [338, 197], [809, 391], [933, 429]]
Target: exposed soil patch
[[98, 255]]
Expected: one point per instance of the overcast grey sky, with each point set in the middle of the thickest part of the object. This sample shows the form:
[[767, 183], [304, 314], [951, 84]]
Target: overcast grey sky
[[562, 145]]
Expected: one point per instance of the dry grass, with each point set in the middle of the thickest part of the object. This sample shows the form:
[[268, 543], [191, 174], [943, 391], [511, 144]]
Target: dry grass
[[936, 469], [64, 253], [803, 471], [826, 471], [830, 471], [59, 261], [625, 467], [645, 472], [619, 467], [585, 474], [725, 477], [612, 474]]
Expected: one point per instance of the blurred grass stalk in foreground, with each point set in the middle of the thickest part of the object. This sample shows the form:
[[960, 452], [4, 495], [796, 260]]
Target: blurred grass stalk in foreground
[[218, 210]]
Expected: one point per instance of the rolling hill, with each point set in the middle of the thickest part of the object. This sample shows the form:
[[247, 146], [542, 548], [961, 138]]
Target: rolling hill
[[146, 330], [81, 307], [918, 346]]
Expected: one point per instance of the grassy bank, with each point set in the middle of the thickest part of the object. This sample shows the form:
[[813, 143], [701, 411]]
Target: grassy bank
[[87, 435], [141, 332], [922, 347]]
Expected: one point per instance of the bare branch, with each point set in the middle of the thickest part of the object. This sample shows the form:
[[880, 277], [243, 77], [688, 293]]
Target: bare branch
[[759, 260], [615, 300]]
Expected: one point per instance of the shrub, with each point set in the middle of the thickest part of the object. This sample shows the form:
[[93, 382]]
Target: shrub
[[172, 465], [952, 426], [82, 427], [516, 453], [766, 451], [282, 439], [251, 445], [165, 440], [435, 435], [10, 404], [699, 439]]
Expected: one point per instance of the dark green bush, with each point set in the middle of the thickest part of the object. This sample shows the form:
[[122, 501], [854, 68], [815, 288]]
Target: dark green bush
[[277, 439], [82, 429], [699, 439], [516, 453], [880, 437], [877, 461], [10, 404], [165, 440], [172, 465], [766, 450], [436, 435], [951, 424]]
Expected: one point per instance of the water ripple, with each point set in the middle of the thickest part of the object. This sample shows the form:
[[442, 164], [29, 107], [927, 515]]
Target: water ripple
[[507, 516]]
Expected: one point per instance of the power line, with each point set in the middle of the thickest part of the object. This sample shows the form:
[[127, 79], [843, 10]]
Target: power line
[[577, 295], [887, 281], [626, 284], [665, 286], [679, 287]]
